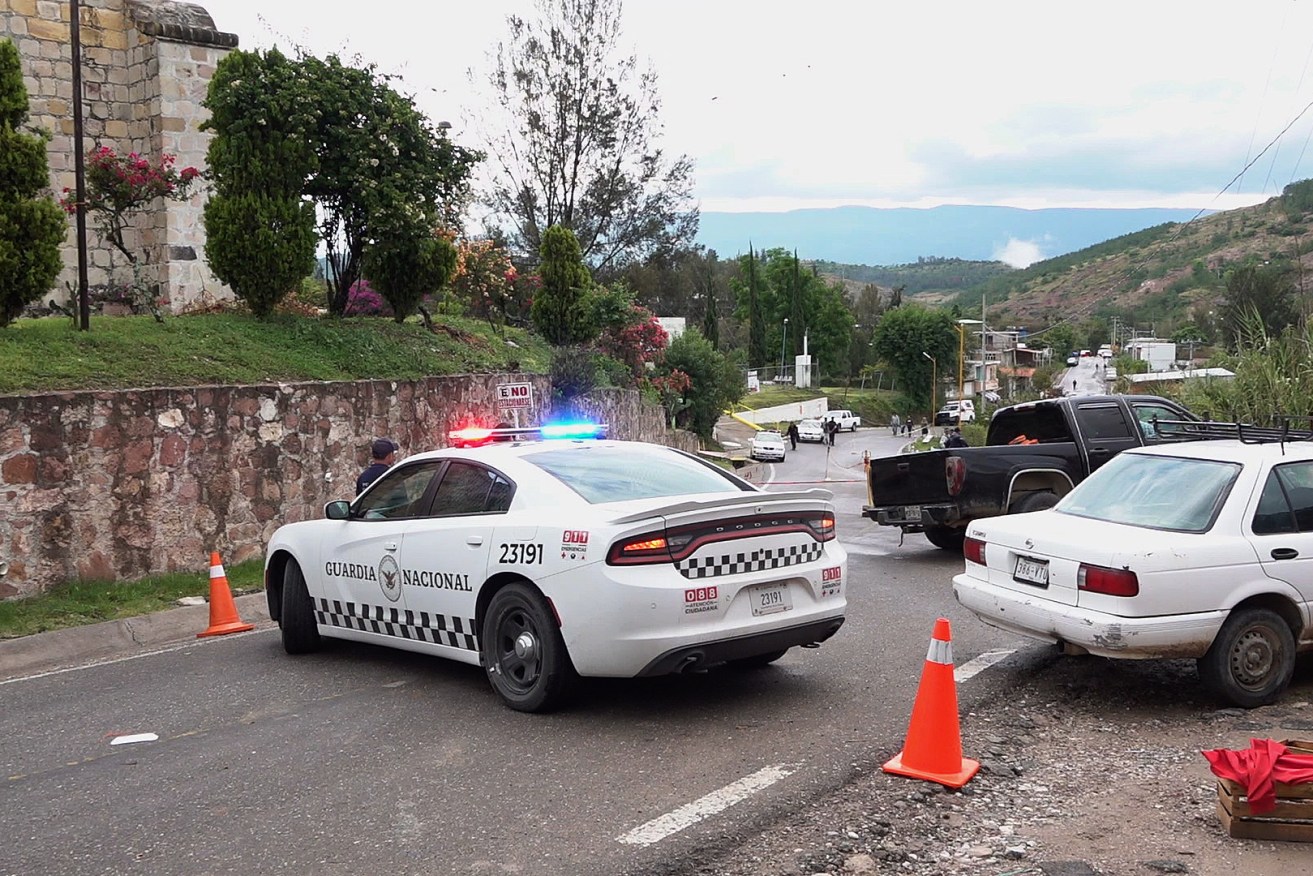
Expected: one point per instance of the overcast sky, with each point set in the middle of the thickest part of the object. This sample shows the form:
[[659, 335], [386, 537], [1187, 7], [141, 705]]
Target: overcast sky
[[821, 103]]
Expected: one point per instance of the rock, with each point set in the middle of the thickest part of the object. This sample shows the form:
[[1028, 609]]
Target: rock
[[1164, 866], [1067, 868], [981, 851], [860, 864], [1015, 853]]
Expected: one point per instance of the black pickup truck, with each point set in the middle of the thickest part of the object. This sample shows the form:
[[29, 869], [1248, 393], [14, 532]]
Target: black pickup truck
[[1035, 453]]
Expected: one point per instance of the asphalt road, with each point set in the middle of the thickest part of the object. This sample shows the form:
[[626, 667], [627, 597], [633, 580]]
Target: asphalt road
[[362, 759]]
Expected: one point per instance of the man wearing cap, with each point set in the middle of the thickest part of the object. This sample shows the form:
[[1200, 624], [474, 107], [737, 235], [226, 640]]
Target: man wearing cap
[[384, 452]]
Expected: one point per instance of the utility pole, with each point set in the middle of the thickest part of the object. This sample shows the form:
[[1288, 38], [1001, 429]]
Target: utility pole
[[79, 170]]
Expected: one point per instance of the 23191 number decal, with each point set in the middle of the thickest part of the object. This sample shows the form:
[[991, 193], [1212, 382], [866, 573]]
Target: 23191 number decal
[[521, 553]]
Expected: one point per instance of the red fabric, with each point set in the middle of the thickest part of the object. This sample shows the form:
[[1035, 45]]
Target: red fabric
[[1257, 767]]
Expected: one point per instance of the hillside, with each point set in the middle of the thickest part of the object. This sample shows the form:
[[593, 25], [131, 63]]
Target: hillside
[[1154, 277]]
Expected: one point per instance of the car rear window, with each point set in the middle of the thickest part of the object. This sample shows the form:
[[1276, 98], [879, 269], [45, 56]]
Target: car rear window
[[1156, 492], [601, 473]]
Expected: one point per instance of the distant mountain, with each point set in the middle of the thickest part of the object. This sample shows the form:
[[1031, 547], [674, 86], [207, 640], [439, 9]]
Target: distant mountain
[[879, 236]]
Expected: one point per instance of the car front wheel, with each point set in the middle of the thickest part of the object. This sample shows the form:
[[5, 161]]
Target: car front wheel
[[1251, 660], [297, 619], [523, 652]]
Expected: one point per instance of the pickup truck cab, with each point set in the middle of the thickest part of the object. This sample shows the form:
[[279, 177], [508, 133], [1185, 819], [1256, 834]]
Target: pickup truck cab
[[846, 419], [1034, 454]]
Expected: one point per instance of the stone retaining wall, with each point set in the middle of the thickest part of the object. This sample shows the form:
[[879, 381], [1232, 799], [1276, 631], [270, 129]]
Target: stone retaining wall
[[119, 485]]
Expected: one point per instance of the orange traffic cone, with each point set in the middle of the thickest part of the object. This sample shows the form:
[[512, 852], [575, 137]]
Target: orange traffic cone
[[933, 750], [223, 611]]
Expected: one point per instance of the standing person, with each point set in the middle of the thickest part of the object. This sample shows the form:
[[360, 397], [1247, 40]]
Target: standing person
[[793, 436], [907, 424], [384, 453], [831, 426], [955, 438], [895, 424]]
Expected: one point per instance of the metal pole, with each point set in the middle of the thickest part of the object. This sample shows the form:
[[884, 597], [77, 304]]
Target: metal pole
[[783, 339], [79, 168], [961, 354]]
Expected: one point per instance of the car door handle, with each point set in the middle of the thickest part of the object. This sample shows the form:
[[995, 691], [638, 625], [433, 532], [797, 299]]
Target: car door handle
[[475, 540], [1098, 451], [1284, 553], [390, 546]]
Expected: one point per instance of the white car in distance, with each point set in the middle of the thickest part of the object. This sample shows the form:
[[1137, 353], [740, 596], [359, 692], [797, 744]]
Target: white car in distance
[[545, 560], [810, 430], [767, 446], [1200, 549]]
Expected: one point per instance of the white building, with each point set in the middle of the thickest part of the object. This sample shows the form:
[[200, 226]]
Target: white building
[[674, 325]]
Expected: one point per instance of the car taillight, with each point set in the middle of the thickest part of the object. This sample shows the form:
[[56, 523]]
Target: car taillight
[[822, 526], [650, 547], [1113, 582], [955, 473], [974, 550]]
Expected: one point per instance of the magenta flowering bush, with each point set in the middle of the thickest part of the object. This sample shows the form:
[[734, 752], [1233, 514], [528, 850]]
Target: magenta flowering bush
[[362, 300]]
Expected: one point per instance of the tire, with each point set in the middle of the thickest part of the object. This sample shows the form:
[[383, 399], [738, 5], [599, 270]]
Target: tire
[[758, 661], [1251, 660], [1035, 502], [523, 652], [946, 537], [297, 621]]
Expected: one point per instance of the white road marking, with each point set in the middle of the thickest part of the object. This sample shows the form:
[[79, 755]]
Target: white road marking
[[135, 737], [978, 664], [717, 801]]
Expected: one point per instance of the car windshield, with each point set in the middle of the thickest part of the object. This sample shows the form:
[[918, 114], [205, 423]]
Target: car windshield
[[1155, 492], [604, 473]]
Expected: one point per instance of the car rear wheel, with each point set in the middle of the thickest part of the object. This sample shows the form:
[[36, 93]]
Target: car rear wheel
[[297, 619], [1035, 502], [1251, 660], [759, 660], [946, 537], [523, 651]]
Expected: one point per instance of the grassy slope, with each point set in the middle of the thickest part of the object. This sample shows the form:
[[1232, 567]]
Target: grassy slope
[[134, 351]]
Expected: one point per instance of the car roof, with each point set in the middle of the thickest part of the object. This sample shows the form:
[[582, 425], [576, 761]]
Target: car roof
[[1231, 450]]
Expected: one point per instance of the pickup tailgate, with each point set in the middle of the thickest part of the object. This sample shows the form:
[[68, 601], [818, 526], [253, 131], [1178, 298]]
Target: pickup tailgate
[[909, 479]]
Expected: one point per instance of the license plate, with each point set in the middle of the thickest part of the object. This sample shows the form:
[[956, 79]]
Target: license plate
[[912, 512], [770, 599], [1032, 571]]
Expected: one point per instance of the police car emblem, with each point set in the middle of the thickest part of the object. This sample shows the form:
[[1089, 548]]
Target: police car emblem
[[389, 578]]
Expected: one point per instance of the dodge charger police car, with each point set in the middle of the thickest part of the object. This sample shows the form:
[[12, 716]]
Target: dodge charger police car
[[544, 560]]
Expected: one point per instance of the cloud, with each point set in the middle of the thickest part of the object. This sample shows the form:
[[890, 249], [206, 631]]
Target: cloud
[[1018, 253]]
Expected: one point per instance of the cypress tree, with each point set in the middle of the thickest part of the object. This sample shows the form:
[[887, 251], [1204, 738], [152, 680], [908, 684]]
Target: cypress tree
[[711, 321], [756, 320], [31, 224], [558, 309]]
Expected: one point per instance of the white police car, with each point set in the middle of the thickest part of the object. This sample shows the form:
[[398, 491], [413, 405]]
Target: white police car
[[542, 560]]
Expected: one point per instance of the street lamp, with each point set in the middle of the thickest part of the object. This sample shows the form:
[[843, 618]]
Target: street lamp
[[934, 378], [783, 339]]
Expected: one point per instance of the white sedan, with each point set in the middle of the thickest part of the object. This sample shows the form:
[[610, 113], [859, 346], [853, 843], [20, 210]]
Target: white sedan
[[1199, 550], [767, 445], [544, 560], [810, 430]]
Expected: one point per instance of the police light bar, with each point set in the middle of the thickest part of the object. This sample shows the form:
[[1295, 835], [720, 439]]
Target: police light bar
[[477, 436]]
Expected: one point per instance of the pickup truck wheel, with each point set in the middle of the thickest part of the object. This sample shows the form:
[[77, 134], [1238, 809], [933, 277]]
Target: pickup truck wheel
[[1035, 502], [946, 537], [1251, 660]]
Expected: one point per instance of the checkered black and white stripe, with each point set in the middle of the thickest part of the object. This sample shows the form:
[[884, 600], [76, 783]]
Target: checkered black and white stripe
[[713, 565], [420, 626]]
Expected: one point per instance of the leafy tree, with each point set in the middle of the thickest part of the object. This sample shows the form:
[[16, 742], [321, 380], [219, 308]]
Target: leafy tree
[[711, 321], [756, 317], [377, 157], [409, 262], [903, 339], [31, 224], [582, 148], [714, 382], [259, 229], [558, 309], [1266, 290], [1061, 339]]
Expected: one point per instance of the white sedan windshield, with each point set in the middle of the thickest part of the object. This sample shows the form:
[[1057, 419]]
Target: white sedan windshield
[[1156, 492]]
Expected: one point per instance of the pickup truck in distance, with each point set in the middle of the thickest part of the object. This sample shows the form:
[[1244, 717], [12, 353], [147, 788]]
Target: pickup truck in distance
[[1034, 454]]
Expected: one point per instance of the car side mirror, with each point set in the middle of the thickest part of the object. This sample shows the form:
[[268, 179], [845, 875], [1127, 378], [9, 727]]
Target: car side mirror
[[338, 510]]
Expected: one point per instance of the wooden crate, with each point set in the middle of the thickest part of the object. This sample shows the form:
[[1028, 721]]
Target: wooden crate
[[1290, 821]]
